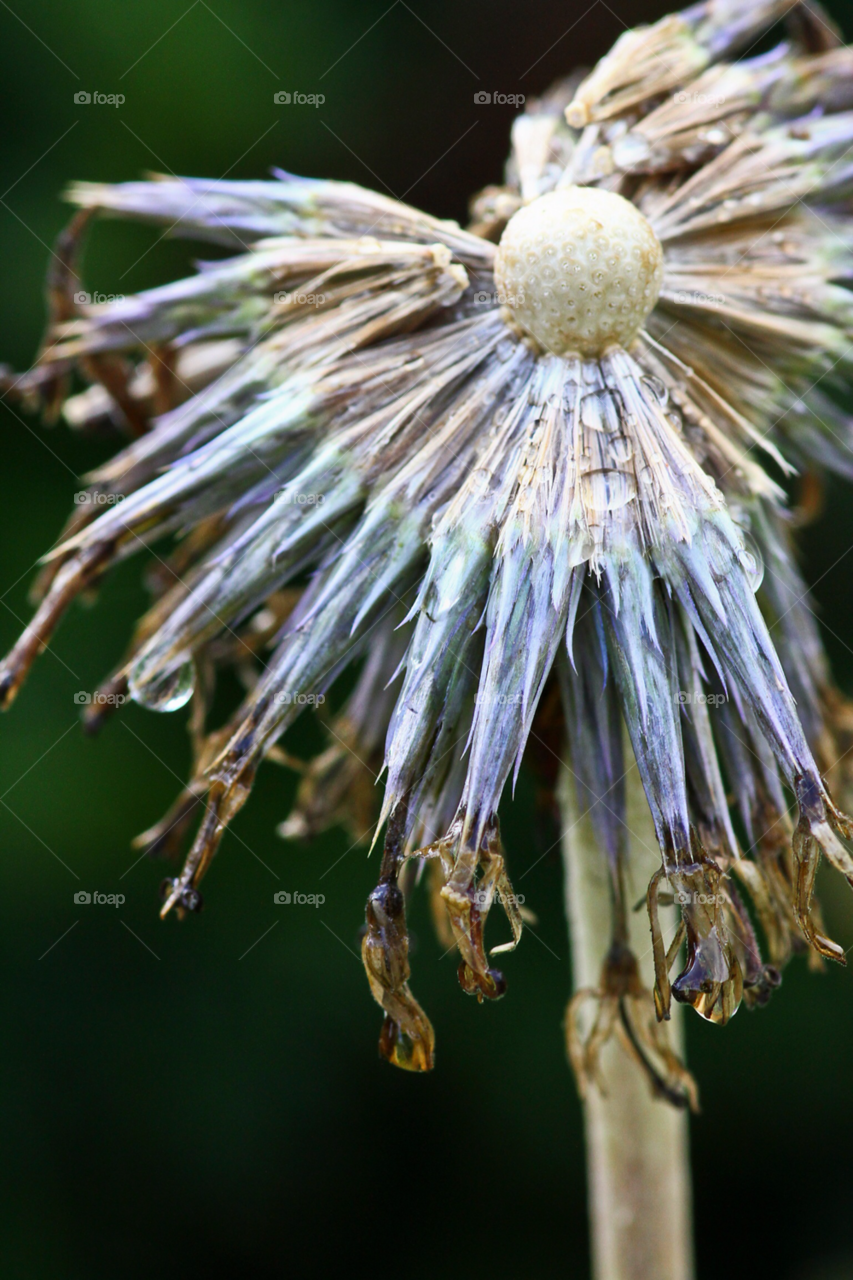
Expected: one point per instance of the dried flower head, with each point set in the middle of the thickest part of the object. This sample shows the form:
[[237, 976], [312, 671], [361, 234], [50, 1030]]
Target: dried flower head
[[547, 451]]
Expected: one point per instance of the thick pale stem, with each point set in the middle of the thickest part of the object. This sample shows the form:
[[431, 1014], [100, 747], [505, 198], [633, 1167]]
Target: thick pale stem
[[637, 1146]]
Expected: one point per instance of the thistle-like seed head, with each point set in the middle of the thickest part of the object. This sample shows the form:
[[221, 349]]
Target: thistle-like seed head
[[361, 461], [580, 269]]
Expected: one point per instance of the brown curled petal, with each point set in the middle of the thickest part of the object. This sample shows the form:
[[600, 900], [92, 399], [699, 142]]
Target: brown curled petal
[[807, 859], [575, 1043], [625, 1008], [221, 805], [585, 1051], [407, 1039], [166, 838], [167, 390], [438, 907], [115, 375], [113, 372], [663, 989], [509, 901], [648, 1041], [460, 895], [337, 787], [468, 901], [112, 694], [775, 924], [759, 979], [75, 576], [63, 281], [711, 980]]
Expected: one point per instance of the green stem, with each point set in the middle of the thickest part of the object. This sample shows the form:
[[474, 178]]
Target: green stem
[[637, 1146]]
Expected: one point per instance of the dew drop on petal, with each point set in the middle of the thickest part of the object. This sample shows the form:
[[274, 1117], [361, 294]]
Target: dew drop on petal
[[164, 691], [607, 489], [720, 553], [752, 562], [656, 388]]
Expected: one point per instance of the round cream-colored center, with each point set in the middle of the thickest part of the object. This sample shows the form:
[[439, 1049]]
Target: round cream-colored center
[[580, 270]]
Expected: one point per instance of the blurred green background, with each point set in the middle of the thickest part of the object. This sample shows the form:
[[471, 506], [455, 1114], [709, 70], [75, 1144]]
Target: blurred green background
[[206, 1097]]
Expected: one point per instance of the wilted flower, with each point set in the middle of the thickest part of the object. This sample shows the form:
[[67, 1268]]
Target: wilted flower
[[483, 467]]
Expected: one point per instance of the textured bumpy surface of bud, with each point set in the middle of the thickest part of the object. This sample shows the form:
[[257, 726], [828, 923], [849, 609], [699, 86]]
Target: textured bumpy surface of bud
[[580, 269]]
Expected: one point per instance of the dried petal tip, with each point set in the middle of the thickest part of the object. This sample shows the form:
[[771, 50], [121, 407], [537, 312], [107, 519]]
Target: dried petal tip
[[624, 1008], [580, 269], [407, 1039]]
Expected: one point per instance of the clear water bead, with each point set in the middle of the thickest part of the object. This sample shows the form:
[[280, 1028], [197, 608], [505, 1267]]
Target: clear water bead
[[163, 691], [752, 562]]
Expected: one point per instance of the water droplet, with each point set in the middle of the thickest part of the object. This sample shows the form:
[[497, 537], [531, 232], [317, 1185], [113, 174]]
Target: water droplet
[[162, 691], [656, 389], [621, 451], [752, 562], [601, 411], [720, 553], [607, 490]]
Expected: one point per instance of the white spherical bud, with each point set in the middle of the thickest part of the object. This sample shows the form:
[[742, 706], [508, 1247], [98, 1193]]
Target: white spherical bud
[[580, 269]]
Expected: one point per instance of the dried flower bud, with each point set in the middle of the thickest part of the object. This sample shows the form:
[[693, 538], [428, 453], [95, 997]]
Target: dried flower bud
[[468, 466], [580, 269]]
